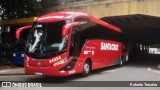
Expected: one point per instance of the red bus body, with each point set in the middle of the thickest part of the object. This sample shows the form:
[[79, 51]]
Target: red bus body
[[91, 42]]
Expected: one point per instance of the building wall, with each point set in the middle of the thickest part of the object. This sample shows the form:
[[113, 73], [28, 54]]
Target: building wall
[[102, 8]]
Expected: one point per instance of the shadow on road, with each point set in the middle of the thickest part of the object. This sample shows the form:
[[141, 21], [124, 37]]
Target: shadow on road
[[145, 61]]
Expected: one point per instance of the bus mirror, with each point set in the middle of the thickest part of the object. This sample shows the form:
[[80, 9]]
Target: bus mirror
[[68, 26], [20, 30]]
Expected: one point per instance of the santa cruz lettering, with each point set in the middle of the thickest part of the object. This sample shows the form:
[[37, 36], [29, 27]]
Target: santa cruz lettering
[[109, 46]]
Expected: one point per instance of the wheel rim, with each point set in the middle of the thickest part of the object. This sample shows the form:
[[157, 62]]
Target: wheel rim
[[121, 62], [86, 68]]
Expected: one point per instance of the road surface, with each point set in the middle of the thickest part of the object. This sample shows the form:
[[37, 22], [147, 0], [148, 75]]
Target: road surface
[[142, 70]]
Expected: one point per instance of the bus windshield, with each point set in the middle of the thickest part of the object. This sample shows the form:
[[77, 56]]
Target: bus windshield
[[45, 40]]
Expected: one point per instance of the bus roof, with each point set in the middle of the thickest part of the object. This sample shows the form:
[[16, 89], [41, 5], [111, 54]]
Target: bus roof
[[57, 16]]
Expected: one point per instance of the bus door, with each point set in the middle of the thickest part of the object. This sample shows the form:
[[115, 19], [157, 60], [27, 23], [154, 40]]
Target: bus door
[[74, 46]]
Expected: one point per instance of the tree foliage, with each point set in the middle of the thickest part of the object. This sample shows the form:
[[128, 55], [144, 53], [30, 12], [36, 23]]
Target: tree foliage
[[10, 9]]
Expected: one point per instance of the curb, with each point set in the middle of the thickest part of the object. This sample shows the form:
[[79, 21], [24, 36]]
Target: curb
[[13, 74], [13, 71]]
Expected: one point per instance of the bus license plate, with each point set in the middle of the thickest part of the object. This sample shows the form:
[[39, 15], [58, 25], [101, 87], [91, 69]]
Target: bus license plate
[[38, 73]]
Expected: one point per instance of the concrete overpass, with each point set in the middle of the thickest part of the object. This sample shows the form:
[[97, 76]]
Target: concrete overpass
[[103, 8], [142, 29]]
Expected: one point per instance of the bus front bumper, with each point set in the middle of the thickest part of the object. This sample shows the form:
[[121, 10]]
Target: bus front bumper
[[47, 71]]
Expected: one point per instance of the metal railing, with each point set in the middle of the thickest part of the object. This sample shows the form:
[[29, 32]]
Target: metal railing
[[62, 2]]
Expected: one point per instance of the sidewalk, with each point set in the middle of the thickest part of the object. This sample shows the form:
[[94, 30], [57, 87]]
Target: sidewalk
[[12, 71], [6, 67]]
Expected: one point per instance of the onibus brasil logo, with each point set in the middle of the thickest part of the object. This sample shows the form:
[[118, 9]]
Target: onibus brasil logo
[[21, 84]]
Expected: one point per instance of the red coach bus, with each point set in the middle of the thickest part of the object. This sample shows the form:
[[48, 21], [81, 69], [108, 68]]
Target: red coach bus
[[67, 43]]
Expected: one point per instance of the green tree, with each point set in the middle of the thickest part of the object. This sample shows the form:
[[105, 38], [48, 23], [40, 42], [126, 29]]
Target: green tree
[[11, 9]]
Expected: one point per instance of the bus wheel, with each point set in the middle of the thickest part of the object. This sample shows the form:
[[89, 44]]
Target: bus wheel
[[86, 68]]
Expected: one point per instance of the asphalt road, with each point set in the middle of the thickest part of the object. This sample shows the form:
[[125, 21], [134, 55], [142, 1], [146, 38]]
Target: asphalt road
[[139, 70]]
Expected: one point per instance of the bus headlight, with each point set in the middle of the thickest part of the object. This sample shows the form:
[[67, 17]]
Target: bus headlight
[[25, 62], [60, 62]]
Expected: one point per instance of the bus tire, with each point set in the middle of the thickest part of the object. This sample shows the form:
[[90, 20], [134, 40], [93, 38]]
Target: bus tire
[[86, 68]]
